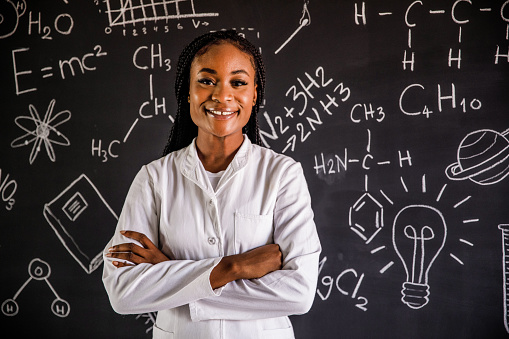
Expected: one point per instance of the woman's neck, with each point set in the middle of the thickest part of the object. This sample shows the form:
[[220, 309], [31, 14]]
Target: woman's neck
[[217, 153]]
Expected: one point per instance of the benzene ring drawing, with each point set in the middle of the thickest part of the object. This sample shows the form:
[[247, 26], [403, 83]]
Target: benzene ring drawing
[[44, 131]]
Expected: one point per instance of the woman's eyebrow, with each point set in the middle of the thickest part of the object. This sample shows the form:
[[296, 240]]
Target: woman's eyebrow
[[207, 70], [212, 71], [240, 71]]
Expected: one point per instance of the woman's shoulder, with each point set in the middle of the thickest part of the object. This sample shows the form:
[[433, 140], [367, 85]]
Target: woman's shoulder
[[267, 155], [164, 163]]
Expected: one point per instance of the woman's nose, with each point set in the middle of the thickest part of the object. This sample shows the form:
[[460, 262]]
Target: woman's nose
[[222, 93]]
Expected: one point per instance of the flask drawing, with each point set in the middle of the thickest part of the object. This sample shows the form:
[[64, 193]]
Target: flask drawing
[[505, 255], [418, 235]]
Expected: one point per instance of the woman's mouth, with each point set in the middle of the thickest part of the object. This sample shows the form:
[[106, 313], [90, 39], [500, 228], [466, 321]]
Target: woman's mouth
[[220, 113]]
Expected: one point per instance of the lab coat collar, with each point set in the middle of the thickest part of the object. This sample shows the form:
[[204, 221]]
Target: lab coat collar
[[192, 168]]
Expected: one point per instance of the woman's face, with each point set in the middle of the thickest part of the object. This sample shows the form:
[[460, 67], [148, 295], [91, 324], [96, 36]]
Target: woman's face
[[222, 90]]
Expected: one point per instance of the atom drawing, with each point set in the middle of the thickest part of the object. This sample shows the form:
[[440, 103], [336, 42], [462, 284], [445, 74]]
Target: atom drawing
[[483, 157], [45, 131]]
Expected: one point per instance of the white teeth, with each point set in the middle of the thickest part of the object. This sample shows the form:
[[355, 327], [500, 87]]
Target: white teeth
[[221, 112]]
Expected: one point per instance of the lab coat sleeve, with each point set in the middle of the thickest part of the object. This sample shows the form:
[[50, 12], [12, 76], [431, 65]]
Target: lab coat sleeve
[[147, 287], [288, 291]]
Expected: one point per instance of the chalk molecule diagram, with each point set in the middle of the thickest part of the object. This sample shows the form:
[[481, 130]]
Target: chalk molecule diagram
[[38, 270], [10, 12], [45, 131]]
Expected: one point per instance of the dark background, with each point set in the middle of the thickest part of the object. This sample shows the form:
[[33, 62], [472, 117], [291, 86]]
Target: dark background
[[466, 294]]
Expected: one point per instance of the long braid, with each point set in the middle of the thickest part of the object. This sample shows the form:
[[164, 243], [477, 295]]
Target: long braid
[[184, 130]]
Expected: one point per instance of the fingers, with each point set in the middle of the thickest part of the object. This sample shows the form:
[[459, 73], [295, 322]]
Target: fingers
[[127, 247], [134, 253], [140, 237], [124, 255], [128, 251], [119, 264]]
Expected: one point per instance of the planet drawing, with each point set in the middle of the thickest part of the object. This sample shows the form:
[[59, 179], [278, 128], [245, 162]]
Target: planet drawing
[[483, 158]]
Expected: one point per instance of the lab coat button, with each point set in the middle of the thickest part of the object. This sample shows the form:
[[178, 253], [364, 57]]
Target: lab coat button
[[212, 241]]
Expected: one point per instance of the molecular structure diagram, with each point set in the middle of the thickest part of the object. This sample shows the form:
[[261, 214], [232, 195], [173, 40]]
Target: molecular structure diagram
[[38, 270]]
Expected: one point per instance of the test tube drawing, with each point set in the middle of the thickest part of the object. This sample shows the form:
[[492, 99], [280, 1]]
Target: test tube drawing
[[505, 255]]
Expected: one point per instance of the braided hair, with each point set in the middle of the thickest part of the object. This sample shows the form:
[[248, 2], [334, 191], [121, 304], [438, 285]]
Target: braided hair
[[184, 130]]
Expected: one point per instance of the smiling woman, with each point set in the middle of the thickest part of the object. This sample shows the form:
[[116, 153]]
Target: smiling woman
[[218, 235], [222, 93]]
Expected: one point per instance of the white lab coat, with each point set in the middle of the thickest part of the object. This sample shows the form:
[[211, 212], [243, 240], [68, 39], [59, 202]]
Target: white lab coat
[[262, 198]]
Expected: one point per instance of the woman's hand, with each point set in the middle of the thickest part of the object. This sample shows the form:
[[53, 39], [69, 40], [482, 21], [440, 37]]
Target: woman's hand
[[149, 253], [248, 265]]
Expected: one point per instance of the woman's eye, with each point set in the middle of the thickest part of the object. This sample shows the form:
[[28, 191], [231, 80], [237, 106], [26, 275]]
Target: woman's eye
[[238, 83], [206, 81]]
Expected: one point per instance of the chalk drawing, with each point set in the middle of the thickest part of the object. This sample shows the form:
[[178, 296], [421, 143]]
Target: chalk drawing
[[306, 92], [10, 12], [7, 190], [122, 13], [81, 219], [45, 131], [458, 16], [482, 157], [150, 320], [371, 212], [505, 249], [337, 164], [348, 289], [66, 66], [466, 104], [63, 24], [305, 20], [418, 235], [505, 255], [38, 270]]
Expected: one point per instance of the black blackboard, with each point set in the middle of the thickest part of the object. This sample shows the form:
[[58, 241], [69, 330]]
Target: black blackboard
[[398, 111]]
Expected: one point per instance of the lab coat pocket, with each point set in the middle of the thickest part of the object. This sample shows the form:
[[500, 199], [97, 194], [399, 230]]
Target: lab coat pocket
[[277, 328], [159, 333], [280, 333], [253, 231]]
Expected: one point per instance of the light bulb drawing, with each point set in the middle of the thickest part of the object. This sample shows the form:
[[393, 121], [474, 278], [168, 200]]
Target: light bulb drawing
[[419, 233]]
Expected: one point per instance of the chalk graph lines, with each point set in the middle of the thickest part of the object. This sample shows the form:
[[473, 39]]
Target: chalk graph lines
[[130, 12], [42, 131]]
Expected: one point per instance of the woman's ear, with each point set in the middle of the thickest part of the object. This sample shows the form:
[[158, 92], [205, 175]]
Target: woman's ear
[[255, 94]]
